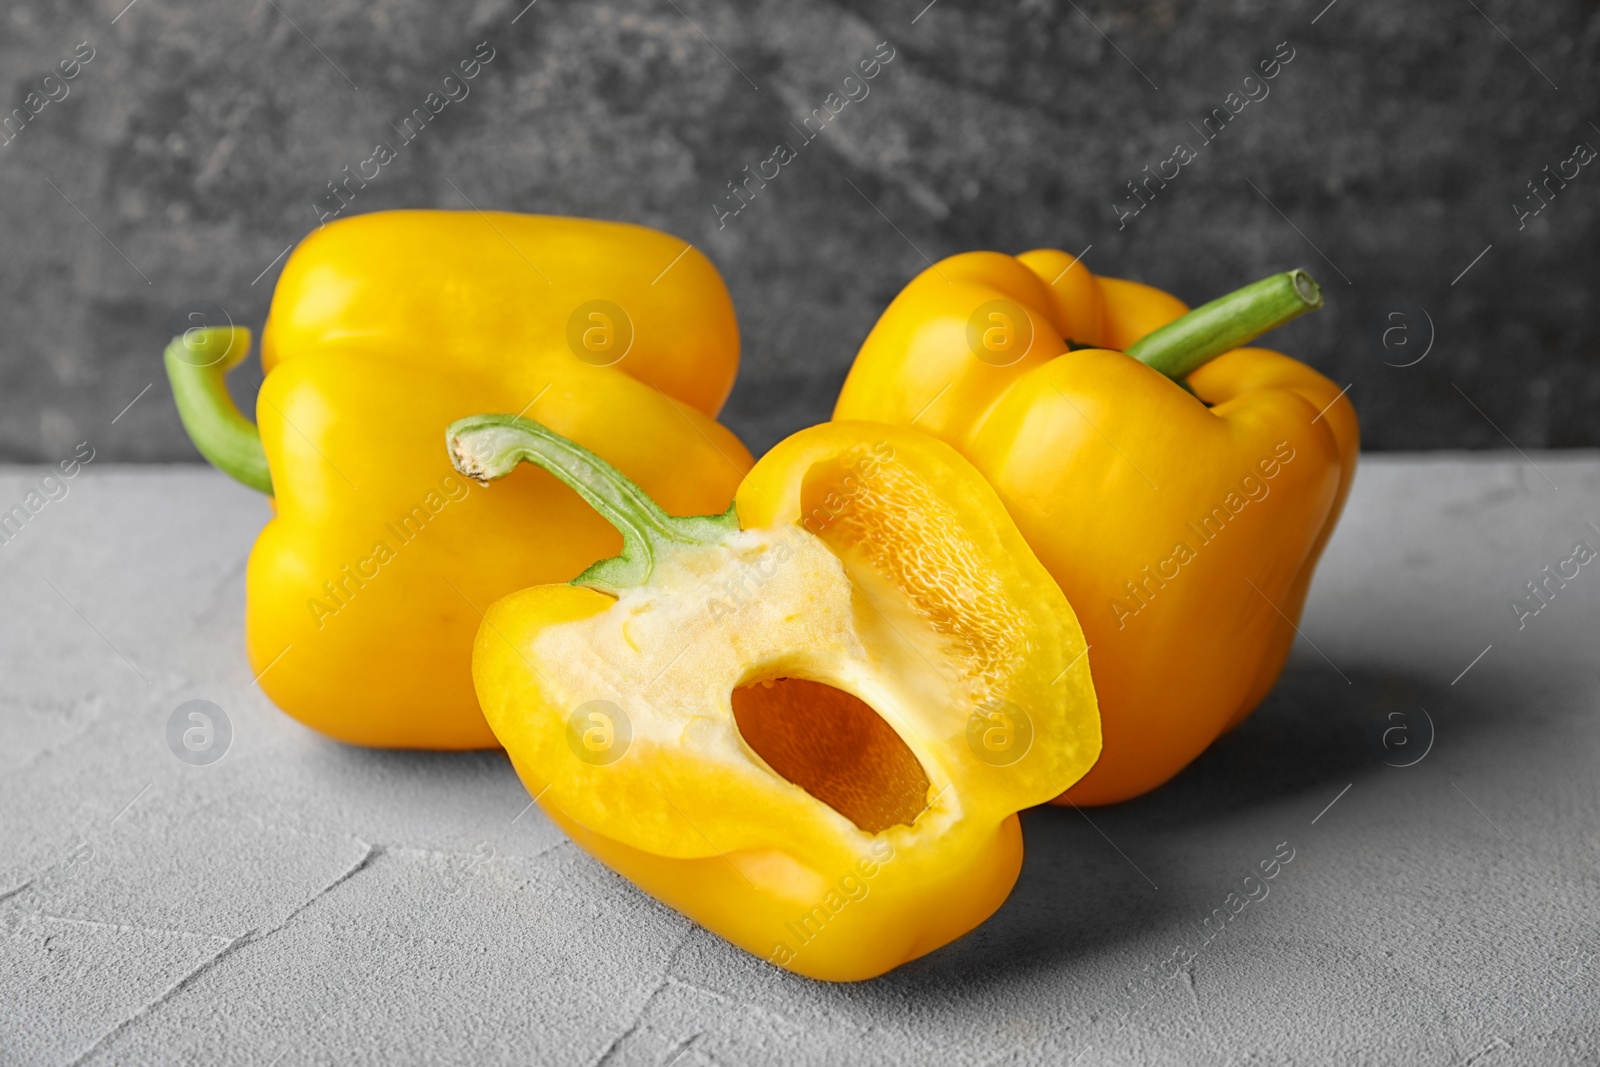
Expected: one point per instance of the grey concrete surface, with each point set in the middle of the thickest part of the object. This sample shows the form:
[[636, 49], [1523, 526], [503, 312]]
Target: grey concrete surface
[[1387, 157], [299, 901]]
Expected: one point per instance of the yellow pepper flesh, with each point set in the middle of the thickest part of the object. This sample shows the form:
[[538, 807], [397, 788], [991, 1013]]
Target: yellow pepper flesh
[[808, 726]]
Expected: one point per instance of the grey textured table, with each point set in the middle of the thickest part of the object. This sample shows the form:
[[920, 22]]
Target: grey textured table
[[299, 901]]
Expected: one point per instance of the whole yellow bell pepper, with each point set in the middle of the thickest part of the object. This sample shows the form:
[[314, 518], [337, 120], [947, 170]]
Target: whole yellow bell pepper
[[1183, 521], [366, 588], [807, 723]]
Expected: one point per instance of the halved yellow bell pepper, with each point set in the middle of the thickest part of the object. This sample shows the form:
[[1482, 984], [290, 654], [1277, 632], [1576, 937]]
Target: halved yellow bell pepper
[[807, 723], [1182, 522], [366, 588]]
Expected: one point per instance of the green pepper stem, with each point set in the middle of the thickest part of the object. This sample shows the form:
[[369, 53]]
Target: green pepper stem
[[197, 362], [1183, 346], [489, 447]]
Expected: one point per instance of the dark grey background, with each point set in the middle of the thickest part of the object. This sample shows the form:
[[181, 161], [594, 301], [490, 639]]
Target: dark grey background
[[1386, 159]]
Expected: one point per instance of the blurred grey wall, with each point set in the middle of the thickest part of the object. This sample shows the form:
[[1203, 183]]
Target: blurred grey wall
[[1392, 154]]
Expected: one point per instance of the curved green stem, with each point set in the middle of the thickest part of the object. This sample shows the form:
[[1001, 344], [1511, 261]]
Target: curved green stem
[[489, 447], [1182, 347], [197, 362]]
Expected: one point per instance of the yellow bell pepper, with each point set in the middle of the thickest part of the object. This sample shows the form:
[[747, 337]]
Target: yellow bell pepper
[[807, 723], [1183, 522], [365, 589]]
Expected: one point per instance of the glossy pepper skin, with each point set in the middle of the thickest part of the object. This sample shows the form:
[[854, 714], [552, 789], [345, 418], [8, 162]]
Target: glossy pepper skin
[[1184, 528], [366, 588], [807, 724]]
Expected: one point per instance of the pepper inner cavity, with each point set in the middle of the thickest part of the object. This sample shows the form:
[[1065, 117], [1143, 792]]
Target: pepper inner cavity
[[836, 747]]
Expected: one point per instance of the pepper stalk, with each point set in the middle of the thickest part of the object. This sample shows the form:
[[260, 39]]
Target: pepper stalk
[[486, 448], [197, 362], [1184, 345]]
